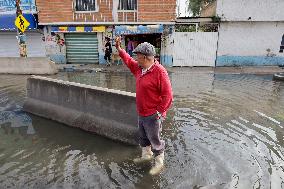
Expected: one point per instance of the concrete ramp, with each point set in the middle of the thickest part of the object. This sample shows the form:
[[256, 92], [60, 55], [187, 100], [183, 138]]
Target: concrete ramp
[[29, 65], [107, 112]]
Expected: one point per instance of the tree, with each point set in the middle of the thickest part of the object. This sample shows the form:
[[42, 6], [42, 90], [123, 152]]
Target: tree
[[195, 6]]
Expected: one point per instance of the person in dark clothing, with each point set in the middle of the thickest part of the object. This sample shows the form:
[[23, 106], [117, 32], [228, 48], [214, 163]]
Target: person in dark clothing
[[282, 45], [108, 51]]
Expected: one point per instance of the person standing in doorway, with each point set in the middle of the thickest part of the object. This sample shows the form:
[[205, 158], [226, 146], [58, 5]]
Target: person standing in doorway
[[130, 46], [153, 98], [108, 51]]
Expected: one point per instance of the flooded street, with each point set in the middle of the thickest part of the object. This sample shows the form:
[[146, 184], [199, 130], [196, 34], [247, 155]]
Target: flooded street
[[224, 131]]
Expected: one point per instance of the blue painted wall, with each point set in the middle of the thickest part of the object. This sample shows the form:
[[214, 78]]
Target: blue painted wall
[[59, 59], [101, 59], [166, 60], [250, 61]]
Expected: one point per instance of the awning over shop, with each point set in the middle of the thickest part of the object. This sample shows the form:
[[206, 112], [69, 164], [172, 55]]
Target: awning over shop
[[78, 28], [7, 22], [127, 30]]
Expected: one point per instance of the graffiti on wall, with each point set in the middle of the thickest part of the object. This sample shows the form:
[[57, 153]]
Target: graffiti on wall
[[55, 43], [8, 6], [282, 45], [55, 46]]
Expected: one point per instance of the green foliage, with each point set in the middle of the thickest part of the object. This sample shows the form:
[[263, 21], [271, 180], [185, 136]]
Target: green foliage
[[208, 28], [195, 5], [185, 28], [216, 19], [213, 27]]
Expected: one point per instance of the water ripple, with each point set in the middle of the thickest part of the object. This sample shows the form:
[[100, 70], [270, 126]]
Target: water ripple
[[223, 131]]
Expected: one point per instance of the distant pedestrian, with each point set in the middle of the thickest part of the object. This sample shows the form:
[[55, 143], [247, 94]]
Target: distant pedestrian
[[108, 51], [282, 45], [153, 98], [130, 46]]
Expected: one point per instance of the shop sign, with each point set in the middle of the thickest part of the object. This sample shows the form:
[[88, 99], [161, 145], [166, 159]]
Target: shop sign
[[63, 28], [80, 29], [99, 29], [8, 6], [125, 30]]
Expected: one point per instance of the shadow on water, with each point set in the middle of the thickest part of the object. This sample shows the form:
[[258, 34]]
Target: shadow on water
[[223, 131]]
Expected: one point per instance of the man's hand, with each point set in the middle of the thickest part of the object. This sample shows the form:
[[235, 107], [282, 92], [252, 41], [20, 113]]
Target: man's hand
[[118, 42], [159, 115]]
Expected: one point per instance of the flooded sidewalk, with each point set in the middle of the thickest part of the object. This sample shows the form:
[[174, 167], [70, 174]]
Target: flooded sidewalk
[[224, 131], [123, 68]]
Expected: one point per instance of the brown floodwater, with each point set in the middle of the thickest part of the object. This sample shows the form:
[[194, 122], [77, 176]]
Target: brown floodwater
[[222, 131]]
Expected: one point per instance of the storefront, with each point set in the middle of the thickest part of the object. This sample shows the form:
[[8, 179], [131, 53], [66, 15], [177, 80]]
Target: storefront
[[74, 44], [140, 34], [9, 41], [85, 44], [8, 31]]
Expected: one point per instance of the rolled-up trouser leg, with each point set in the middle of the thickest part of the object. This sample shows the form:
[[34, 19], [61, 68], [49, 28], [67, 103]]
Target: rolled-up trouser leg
[[150, 133]]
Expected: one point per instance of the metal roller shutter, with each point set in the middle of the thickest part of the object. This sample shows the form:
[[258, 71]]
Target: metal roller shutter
[[10, 48], [82, 48], [35, 45]]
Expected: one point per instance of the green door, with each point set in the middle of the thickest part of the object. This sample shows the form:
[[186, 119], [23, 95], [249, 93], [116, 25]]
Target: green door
[[82, 48]]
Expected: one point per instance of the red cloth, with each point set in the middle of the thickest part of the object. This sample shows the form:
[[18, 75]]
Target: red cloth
[[153, 89]]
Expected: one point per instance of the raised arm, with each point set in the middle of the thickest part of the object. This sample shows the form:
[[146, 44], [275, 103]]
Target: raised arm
[[127, 59]]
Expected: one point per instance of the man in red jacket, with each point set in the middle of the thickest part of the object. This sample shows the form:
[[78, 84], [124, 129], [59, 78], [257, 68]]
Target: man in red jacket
[[153, 98]]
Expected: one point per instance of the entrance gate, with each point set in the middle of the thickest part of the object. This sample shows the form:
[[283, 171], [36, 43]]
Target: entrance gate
[[195, 48]]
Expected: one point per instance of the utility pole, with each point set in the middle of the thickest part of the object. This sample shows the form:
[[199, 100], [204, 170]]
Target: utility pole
[[20, 35]]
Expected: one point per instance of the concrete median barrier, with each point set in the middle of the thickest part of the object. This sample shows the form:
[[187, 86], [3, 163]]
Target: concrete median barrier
[[29, 65], [107, 112]]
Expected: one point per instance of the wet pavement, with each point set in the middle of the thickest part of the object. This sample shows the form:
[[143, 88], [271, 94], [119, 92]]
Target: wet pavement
[[216, 70], [224, 130]]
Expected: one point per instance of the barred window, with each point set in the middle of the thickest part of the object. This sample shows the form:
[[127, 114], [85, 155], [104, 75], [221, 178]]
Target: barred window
[[127, 5], [85, 5]]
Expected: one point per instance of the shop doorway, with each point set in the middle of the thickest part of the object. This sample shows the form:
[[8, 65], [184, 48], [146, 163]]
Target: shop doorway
[[154, 39]]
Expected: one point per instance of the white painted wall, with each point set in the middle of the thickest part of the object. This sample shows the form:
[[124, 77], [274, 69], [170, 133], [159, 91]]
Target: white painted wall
[[114, 10], [100, 37], [258, 10], [250, 38], [181, 9]]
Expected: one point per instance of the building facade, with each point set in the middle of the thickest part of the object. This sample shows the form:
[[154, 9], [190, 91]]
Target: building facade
[[250, 33], [75, 31]]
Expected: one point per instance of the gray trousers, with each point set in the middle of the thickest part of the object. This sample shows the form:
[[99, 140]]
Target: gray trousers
[[150, 129]]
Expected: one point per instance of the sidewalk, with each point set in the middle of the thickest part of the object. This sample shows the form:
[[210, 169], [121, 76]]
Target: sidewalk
[[123, 68]]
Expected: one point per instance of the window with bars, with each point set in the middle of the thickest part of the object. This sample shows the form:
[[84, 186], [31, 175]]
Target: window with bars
[[127, 5], [85, 5]]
